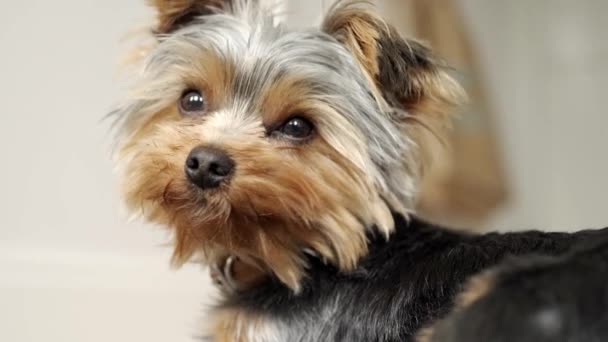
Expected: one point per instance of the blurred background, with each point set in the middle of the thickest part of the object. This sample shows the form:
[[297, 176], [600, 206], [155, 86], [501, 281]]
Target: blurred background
[[528, 152]]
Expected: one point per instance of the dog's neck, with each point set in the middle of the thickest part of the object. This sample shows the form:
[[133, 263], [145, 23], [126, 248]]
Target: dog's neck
[[234, 275]]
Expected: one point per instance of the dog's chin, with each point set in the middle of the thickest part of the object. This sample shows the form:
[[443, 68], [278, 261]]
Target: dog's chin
[[208, 226]]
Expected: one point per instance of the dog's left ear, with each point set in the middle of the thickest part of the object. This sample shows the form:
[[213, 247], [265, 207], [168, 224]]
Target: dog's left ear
[[175, 14], [405, 72]]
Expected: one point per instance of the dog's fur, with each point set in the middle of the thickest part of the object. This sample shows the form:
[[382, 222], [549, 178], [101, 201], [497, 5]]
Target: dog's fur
[[366, 90], [534, 299], [323, 223], [401, 286]]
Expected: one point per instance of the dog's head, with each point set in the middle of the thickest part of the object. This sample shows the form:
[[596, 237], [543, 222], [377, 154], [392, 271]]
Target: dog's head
[[251, 139]]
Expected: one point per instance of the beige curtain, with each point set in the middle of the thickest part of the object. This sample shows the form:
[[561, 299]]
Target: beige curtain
[[465, 182]]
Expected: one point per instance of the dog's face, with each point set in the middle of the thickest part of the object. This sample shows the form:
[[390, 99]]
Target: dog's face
[[249, 139]]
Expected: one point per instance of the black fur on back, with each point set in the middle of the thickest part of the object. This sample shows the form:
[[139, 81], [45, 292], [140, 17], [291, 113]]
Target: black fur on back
[[539, 299], [401, 286]]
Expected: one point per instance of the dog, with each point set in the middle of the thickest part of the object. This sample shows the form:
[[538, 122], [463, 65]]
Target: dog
[[289, 161]]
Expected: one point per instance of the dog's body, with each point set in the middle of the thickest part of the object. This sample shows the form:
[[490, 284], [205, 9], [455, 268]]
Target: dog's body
[[403, 285], [297, 153], [537, 298]]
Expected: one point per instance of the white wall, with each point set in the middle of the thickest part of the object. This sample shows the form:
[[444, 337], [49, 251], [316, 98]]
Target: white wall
[[547, 64], [73, 269]]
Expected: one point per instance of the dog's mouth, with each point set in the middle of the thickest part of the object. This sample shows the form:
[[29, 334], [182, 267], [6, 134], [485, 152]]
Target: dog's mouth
[[242, 249], [180, 194]]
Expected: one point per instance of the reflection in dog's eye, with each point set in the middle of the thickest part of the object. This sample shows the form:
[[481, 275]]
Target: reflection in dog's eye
[[296, 128], [192, 103]]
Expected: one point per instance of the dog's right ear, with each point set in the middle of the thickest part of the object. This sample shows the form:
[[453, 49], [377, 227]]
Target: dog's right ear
[[175, 14], [406, 72]]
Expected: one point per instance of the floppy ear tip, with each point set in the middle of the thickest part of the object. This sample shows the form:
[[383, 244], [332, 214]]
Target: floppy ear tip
[[427, 79], [447, 90], [439, 97]]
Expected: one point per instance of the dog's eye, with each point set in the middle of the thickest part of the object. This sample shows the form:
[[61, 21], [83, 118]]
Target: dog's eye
[[296, 128], [192, 103]]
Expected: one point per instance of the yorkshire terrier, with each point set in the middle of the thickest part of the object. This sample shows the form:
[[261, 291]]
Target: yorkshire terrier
[[289, 161]]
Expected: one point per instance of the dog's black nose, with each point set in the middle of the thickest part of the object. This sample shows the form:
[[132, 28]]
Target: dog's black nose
[[207, 167]]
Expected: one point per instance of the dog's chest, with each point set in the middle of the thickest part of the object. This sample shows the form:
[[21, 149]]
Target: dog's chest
[[332, 321]]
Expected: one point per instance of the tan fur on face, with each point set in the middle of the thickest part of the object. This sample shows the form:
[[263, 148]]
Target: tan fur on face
[[289, 97], [283, 198], [208, 73]]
